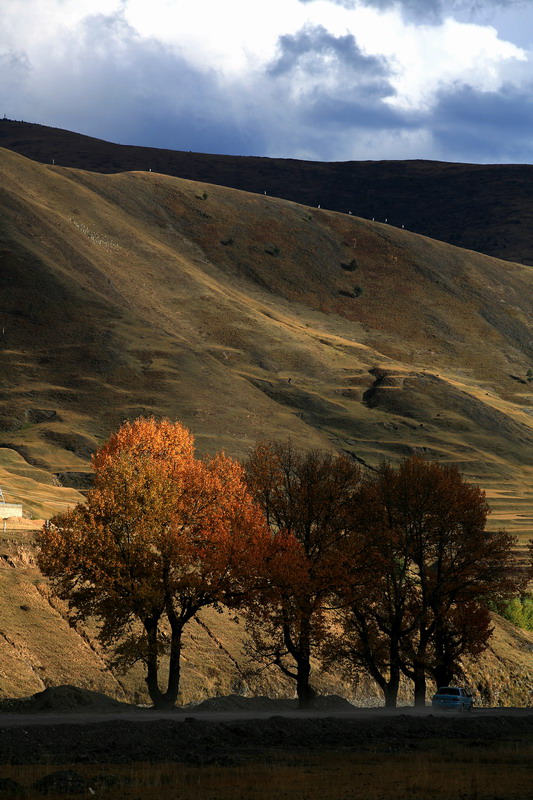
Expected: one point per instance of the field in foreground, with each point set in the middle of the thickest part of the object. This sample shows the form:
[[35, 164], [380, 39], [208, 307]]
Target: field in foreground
[[447, 774], [371, 755]]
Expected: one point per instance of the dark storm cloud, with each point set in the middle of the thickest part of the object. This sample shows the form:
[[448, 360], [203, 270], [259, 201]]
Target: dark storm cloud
[[14, 71], [346, 116], [331, 72], [320, 97], [107, 81], [470, 125], [313, 49], [334, 87]]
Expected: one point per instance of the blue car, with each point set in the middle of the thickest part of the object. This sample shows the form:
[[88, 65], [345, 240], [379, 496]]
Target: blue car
[[452, 698]]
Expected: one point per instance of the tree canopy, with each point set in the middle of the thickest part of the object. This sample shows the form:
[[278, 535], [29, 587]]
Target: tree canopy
[[391, 571], [435, 569], [309, 496], [161, 535]]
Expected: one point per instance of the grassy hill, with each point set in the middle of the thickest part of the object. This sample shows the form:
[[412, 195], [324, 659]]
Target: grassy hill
[[487, 208], [244, 316], [139, 293]]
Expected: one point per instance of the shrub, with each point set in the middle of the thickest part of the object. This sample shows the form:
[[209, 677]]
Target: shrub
[[351, 266], [519, 611]]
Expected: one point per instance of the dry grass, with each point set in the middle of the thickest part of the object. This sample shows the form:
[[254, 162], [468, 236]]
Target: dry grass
[[33, 487], [124, 300], [487, 208], [137, 287], [446, 773]]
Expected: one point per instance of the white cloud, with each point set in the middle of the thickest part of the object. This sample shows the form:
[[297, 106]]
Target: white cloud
[[227, 34], [427, 57]]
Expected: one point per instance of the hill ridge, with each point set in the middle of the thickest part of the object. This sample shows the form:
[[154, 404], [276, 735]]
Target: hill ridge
[[483, 207]]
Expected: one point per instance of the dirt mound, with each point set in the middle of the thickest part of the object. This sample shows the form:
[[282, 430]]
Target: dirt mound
[[202, 742], [234, 702], [64, 699]]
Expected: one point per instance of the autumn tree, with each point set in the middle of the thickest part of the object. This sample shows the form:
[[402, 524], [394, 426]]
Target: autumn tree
[[436, 568], [161, 535], [464, 630], [310, 497], [374, 616]]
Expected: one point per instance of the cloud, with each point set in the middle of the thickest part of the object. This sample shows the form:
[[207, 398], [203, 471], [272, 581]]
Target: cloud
[[14, 71], [106, 80], [325, 59], [430, 10], [331, 86], [349, 85], [476, 126]]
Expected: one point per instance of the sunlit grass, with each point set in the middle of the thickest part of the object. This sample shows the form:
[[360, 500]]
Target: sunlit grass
[[443, 773]]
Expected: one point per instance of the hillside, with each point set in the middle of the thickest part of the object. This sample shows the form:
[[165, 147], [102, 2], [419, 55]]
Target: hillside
[[141, 293], [244, 316], [487, 208], [40, 648]]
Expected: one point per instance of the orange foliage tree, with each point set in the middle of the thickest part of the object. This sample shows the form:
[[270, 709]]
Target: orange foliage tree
[[435, 570], [161, 535], [309, 497]]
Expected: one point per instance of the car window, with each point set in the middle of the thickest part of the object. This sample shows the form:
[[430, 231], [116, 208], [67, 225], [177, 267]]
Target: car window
[[448, 690]]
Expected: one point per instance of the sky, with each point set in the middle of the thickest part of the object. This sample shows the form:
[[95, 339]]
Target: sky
[[326, 80]]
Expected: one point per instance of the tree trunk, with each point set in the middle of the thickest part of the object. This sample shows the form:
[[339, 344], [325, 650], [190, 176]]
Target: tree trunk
[[445, 659], [420, 685], [304, 690], [443, 675], [171, 694], [419, 659], [391, 688], [393, 684], [301, 653], [152, 663]]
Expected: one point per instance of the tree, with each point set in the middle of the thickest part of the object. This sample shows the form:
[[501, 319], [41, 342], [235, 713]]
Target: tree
[[161, 535], [310, 497], [457, 564], [375, 615], [466, 629], [424, 528]]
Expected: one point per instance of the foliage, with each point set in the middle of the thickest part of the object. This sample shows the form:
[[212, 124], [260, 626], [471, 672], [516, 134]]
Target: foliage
[[518, 610], [161, 535], [435, 568], [349, 266], [310, 498]]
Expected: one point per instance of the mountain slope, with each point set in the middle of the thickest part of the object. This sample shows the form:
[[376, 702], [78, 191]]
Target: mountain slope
[[140, 293], [487, 208], [244, 316]]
